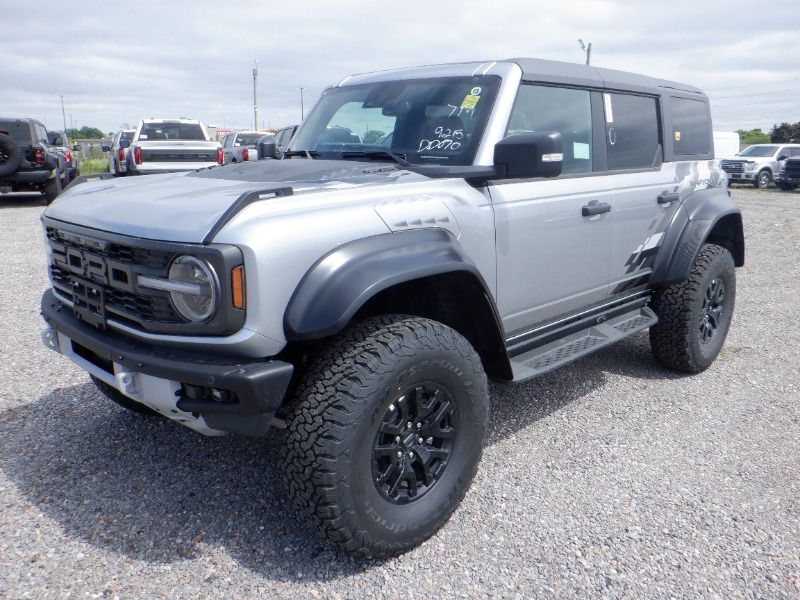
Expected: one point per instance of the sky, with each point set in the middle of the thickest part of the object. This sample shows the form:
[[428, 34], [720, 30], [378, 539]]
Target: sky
[[115, 63]]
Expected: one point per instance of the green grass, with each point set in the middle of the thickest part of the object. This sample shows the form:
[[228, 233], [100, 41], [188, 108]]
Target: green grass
[[92, 166]]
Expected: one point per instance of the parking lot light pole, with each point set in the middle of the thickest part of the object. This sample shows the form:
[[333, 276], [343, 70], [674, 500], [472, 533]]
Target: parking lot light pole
[[302, 111], [255, 101], [63, 115]]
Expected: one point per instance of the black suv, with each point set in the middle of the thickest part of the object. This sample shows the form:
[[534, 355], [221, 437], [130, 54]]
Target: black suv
[[28, 161], [789, 176]]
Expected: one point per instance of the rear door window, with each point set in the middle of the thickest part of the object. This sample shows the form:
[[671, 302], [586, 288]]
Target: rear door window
[[18, 130], [540, 108], [691, 127], [632, 131]]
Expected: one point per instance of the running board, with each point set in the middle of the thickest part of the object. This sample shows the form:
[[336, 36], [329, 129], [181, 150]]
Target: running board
[[562, 351]]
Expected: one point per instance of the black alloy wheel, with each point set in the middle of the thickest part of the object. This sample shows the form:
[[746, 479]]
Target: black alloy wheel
[[712, 310], [414, 442]]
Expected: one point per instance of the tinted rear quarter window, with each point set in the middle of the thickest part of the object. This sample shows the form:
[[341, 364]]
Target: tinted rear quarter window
[[632, 132], [691, 127]]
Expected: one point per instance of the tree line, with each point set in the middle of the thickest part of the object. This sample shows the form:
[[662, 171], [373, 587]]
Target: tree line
[[779, 134]]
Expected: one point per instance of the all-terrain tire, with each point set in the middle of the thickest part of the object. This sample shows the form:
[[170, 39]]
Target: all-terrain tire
[[52, 188], [694, 315], [10, 155], [122, 400], [361, 389]]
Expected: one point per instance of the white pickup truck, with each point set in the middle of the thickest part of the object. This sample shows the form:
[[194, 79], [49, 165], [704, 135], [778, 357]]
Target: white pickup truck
[[166, 145]]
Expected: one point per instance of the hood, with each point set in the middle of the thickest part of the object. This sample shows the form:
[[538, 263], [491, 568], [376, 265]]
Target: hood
[[185, 207]]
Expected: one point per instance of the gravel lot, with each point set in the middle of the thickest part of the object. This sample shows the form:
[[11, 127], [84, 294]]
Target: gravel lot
[[608, 478]]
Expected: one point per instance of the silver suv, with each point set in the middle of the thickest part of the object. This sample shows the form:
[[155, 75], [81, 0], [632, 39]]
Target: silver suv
[[517, 215], [759, 164]]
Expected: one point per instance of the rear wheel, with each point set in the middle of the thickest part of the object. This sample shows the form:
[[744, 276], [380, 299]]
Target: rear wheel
[[385, 432], [52, 188], [122, 400], [694, 315]]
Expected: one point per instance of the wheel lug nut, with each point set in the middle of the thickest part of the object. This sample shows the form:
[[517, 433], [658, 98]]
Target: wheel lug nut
[[419, 425], [399, 455], [397, 439], [408, 425], [410, 455], [420, 440]]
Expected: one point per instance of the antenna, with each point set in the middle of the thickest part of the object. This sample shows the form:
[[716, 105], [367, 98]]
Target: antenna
[[586, 48]]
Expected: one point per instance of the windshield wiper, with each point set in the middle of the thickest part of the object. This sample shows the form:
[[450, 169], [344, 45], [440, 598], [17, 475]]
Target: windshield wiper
[[400, 159], [304, 153]]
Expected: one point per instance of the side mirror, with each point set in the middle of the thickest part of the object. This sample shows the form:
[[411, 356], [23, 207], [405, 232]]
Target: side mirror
[[266, 147], [782, 157], [526, 155], [124, 143], [105, 148]]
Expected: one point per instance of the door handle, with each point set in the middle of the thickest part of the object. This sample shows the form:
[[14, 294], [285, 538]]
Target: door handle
[[595, 209], [667, 197]]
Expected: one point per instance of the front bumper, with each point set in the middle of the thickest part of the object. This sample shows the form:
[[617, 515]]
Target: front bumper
[[177, 384]]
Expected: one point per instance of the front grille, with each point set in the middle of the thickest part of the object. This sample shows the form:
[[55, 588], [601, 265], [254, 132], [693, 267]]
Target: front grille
[[791, 168], [99, 279], [732, 166]]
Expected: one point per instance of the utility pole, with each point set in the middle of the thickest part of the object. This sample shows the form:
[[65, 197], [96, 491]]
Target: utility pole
[[302, 111], [63, 115], [255, 100], [586, 48]]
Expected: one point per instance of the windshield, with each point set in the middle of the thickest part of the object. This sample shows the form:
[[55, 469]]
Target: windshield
[[438, 121], [248, 139], [758, 151], [171, 131], [18, 130]]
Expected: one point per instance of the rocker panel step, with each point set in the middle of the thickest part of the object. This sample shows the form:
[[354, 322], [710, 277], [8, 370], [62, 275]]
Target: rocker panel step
[[560, 352]]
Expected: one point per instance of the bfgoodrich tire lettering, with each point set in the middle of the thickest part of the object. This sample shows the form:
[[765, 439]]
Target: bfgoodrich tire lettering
[[694, 315], [334, 421]]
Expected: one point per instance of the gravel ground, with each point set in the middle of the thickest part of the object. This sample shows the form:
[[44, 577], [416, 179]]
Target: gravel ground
[[609, 478]]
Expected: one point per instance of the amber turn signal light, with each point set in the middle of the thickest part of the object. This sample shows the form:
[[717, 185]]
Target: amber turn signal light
[[237, 287]]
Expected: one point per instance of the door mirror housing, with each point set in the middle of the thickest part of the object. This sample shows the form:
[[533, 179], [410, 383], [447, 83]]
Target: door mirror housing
[[528, 155], [782, 157], [105, 148]]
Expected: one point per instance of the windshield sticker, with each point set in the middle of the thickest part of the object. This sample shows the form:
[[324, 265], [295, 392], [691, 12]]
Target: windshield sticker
[[476, 91], [677, 136], [469, 102], [607, 104], [142, 137], [443, 139]]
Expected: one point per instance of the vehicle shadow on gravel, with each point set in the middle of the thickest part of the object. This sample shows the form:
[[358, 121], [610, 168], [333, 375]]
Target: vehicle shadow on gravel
[[149, 489], [20, 200]]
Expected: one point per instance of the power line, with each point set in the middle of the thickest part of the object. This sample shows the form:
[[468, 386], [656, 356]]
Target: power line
[[789, 91], [749, 85]]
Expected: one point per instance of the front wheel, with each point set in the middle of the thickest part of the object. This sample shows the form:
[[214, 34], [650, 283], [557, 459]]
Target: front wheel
[[763, 179], [694, 315], [385, 432]]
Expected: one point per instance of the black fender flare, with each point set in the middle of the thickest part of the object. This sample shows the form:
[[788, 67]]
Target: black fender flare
[[705, 214], [341, 282]]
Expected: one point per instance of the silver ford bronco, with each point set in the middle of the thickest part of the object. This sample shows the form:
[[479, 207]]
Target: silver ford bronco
[[427, 229]]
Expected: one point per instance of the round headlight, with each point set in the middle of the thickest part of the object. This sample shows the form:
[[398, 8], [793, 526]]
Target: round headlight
[[197, 300]]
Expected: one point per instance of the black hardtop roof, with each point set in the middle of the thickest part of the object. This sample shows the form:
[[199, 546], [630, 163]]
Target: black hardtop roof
[[554, 71]]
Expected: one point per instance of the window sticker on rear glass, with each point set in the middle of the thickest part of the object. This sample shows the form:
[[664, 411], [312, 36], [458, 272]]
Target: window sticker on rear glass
[[142, 137]]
